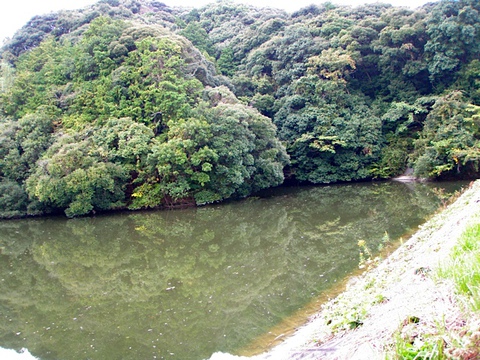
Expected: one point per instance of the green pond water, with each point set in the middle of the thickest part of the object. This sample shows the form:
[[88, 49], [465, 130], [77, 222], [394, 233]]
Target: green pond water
[[184, 284]]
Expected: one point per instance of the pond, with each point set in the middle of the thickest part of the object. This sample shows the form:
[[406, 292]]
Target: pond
[[184, 284]]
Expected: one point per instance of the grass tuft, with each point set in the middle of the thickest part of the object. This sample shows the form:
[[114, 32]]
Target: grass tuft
[[442, 341], [463, 268]]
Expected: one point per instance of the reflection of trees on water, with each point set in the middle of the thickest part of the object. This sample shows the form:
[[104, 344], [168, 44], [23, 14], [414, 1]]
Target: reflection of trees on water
[[188, 282]]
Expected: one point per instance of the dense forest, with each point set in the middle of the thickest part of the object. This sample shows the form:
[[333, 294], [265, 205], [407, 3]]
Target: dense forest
[[131, 104]]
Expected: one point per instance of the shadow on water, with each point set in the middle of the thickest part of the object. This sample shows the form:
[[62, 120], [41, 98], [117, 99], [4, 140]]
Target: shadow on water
[[184, 284]]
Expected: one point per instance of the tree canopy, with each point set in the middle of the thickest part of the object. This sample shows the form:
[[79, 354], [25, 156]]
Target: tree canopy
[[133, 104]]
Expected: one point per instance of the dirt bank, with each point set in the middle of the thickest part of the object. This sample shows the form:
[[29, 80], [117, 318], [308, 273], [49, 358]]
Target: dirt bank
[[362, 321]]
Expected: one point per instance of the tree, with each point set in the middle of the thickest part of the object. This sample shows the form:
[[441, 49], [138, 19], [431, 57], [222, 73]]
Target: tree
[[22, 143], [251, 157], [331, 135], [198, 36], [449, 142], [7, 76], [124, 141], [74, 176], [454, 37], [13, 199], [228, 150], [180, 166], [116, 113], [226, 62]]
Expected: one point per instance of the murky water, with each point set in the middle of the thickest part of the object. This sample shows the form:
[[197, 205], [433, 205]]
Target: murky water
[[184, 284]]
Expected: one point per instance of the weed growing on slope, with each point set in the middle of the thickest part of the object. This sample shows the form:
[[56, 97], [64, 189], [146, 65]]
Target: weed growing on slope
[[463, 267]]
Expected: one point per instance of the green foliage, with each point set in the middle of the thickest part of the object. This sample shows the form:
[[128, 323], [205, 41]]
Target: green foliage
[[425, 349], [124, 141], [7, 73], [463, 266], [442, 342], [355, 93], [454, 33], [13, 199], [137, 137], [144, 78], [393, 158], [230, 150], [73, 175], [97, 46], [106, 74], [152, 80], [181, 164], [251, 158], [40, 75], [399, 125], [198, 36], [226, 62], [22, 143], [469, 81], [331, 134], [449, 141], [264, 104]]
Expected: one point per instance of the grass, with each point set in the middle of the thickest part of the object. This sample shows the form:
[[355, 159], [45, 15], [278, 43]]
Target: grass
[[440, 342], [431, 349], [463, 267]]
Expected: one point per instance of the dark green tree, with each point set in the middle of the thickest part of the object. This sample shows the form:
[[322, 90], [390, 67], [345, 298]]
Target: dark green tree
[[226, 62], [453, 29], [198, 36], [450, 140], [75, 176]]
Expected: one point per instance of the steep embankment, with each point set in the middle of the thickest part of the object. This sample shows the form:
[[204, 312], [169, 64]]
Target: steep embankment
[[399, 292]]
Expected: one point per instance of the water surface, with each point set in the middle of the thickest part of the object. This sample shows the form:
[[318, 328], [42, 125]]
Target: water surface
[[184, 284]]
